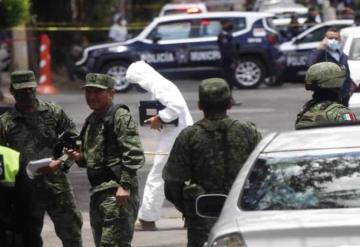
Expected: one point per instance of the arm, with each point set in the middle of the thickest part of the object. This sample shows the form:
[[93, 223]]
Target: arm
[[64, 126], [177, 171], [315, 56]]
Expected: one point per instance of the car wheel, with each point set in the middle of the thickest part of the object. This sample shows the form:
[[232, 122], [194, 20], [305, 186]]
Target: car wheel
[[118, 71], [249, 73]]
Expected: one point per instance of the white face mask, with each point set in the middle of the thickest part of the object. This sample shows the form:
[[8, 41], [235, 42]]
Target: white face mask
[[333, 44]]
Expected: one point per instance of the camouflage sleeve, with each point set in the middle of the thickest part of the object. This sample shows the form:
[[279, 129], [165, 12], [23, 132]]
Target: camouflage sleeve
[[177, 168], [65, 124], [339, 112], [130, 145], [253, 134]]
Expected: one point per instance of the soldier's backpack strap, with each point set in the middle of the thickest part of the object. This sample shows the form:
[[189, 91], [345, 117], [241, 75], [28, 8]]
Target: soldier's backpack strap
[[304, 109]]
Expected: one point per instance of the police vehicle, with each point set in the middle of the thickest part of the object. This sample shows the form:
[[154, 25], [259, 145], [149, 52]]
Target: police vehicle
[[296, 51], [187, 45]]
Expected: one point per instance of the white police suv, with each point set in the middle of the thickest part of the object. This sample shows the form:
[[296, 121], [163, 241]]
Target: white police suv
[[296, 51], [187, 45]]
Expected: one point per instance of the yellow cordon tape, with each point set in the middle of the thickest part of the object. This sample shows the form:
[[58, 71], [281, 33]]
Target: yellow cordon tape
[[55, 29], [156, 153]]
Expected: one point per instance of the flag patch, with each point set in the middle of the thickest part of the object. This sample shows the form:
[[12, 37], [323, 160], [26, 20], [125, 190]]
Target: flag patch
[[349, 116]]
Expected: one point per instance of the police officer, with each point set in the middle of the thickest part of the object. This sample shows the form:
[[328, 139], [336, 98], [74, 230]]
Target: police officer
[[325, 79], [207, 156], [112, 152], [33, 128], [329, 50], [228, 53]]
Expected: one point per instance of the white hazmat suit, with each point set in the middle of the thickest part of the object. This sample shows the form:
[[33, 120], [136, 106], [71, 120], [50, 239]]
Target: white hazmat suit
[[169, 95]]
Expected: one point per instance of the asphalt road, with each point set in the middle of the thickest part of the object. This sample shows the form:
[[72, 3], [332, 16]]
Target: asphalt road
[[270, 108]]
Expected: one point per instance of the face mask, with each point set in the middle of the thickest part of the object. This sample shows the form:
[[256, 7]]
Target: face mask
[[25, 98], [333, 44]]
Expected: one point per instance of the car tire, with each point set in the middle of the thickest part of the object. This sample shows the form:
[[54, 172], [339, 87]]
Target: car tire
[[249, 73], [118, 71]]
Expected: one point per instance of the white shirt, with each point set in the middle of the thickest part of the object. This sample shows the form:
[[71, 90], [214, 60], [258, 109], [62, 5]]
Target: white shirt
[[118, 33]]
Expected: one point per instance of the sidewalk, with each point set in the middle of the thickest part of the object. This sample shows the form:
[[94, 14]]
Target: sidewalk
[[170, 232]]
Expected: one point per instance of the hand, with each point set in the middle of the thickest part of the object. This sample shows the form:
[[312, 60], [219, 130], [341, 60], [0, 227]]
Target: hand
[[323, 44], [73, 154], [122, 196], [51, 168], [155, 122]]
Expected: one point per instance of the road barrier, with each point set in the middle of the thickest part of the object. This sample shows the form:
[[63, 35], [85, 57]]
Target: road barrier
[[45, 81]]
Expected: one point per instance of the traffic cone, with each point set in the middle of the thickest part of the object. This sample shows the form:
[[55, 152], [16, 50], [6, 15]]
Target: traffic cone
[[45, 82]]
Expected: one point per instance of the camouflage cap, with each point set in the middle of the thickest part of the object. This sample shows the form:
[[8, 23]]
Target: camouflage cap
[[325, 75], [23, 79], [99, 81], [214, 90]]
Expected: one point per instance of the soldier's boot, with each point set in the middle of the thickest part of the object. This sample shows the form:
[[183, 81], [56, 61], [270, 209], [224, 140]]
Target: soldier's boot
[[142, 225]]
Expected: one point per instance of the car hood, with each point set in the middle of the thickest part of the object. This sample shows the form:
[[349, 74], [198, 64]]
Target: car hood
[[91, 48], [320, 228]]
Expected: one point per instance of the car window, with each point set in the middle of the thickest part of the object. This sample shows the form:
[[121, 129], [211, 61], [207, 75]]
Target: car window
[[315, 36], [172, 30], [354, 53], [270, 23], [212, 27], [209, 28], [311, 181]]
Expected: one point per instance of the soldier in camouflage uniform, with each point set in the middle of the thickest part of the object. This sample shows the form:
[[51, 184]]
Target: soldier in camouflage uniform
[[207, 156], [33, 128], [112, 152], [325, 79]]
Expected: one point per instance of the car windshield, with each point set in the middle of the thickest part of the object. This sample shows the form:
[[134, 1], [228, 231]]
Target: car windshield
[[354, 53], [292, 180]]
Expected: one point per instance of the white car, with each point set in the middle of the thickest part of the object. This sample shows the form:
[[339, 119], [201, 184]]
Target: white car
[[351, 48], [297, 189], [296, 51]]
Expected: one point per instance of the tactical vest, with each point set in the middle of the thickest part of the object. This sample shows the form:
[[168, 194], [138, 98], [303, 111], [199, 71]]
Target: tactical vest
[[9, 166]]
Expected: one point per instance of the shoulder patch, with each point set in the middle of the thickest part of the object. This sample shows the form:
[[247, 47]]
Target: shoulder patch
[[349, 116]]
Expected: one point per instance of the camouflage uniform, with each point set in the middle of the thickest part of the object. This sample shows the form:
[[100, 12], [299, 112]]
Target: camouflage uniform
[[34, 135], [323, 78], [112, 225], [206, 158]]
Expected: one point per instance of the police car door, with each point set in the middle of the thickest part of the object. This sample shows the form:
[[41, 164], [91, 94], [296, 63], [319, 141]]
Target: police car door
[[167, 49], [203, 48]]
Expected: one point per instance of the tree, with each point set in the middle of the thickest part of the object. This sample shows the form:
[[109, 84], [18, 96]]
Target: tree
[[13, 13]]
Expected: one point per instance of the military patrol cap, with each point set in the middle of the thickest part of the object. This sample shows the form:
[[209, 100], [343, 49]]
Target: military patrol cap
[[23, 79], [214, 90], [99, 81], [324, 75]]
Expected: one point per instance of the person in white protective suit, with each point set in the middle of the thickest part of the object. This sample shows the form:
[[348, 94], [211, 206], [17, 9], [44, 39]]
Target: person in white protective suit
[[169, 95]]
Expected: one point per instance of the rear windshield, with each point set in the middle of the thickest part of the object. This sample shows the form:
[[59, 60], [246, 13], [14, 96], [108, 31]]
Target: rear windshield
[[312, 181]]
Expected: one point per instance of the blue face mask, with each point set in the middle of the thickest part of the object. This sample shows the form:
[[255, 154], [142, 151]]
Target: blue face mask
[[333, 44]]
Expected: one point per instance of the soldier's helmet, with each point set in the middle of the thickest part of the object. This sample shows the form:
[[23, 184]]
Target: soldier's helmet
[[213, 90], [324, 75]]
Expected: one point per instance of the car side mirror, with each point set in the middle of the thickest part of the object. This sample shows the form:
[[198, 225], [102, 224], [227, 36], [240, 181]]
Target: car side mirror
[[209, 205], [156, 38]]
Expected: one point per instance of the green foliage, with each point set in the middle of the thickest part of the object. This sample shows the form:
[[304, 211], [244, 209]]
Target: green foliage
[[13, 12]]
